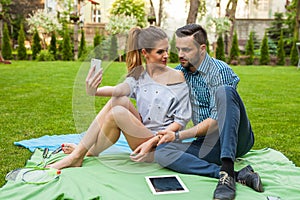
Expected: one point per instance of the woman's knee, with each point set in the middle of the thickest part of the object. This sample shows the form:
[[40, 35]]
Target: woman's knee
[[120, 101]]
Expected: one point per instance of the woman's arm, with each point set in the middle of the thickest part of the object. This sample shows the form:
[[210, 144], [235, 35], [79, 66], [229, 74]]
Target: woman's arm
[[93, 89]]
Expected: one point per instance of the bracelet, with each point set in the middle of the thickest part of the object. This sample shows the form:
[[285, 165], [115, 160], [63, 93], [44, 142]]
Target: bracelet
[[177, 136]]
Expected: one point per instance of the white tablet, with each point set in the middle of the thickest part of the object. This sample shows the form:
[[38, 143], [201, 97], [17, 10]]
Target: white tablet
[[166, 184]]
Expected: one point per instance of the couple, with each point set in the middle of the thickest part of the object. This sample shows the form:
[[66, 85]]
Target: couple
[[201, 87]]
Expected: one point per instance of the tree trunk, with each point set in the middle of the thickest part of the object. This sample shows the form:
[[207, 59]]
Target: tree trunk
[[296, 32], [160, 12], [1, 30], [230, 13], [193, 12]]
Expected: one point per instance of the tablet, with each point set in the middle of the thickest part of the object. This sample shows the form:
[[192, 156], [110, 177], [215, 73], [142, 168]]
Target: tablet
[[166, 184]]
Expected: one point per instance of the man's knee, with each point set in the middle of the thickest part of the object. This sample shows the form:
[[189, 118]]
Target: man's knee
[[225, 93]]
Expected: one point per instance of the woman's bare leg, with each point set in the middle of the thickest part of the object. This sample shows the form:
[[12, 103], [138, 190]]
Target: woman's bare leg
[[95, 140]]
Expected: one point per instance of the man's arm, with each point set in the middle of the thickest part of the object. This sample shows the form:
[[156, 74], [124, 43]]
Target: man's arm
[[203, 128]]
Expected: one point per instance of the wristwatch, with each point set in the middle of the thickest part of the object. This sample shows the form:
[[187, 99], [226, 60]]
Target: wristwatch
[[177, 136]]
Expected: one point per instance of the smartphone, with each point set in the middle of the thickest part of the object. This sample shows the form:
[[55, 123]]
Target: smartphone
[[97, 63]]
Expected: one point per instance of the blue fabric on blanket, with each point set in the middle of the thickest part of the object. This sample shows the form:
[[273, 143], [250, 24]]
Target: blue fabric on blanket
[[54, 141]]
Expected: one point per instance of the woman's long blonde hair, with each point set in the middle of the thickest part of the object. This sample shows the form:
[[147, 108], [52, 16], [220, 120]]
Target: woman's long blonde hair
[[139, 39]]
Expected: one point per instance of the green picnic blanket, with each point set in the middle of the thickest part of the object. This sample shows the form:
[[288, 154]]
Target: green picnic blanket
[[116, 177]]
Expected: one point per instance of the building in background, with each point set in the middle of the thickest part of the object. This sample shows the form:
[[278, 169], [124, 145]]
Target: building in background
[[94, 14]]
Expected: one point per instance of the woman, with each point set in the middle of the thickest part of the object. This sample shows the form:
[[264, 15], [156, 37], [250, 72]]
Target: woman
[[161, 95]]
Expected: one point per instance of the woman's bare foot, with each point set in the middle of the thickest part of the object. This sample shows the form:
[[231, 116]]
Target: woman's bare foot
[[68, 148], [71, 160]]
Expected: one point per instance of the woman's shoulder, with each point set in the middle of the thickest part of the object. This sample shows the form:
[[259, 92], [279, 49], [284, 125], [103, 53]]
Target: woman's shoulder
[[176, 76]]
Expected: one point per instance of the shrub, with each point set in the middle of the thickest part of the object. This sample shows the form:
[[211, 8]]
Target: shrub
[[250, 49], [67, 53], [45, 55], [220, 52], [280, 51], [294, 54], [173, 53], [6, 45], [36, 46], [113, 48], [82, 46], [234, 51], [52, 47], [264, 51], [207, 47], [22, 55], [97, 46]]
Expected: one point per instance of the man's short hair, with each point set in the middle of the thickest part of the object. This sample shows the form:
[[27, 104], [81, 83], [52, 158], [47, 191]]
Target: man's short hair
[[195, 30]]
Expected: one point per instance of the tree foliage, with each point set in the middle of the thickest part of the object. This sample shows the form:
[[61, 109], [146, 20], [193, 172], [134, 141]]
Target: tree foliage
[[98, 50], [36, 45], [6, 44], [220, 51], [264, 51], [173, 56], [280, 51], [218, 25], [134, 8], [67, 53], [113, 49], [250, 49], [22, 54], [52, 47], [234, 51], [44, 22], [119, 24], [294, 53], [82, 47]]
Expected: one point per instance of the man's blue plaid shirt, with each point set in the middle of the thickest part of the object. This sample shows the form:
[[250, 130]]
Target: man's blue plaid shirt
[[203, 84]]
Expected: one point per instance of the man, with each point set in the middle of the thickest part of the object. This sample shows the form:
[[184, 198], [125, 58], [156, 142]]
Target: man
[[222, 128]]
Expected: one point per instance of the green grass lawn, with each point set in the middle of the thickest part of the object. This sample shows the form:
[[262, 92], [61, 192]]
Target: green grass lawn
[[48, 98]]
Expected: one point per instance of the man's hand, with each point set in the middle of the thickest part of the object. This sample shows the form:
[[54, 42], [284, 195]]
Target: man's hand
[[167, 136], [93, 81]]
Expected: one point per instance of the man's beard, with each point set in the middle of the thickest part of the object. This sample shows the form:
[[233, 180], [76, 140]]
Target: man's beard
[[188, 65]]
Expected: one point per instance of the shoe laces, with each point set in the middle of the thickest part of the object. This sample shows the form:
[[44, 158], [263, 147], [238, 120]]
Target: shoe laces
[[224, 178]]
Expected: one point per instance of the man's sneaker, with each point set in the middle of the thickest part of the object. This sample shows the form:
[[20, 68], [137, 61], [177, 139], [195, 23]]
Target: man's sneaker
[[225, 189], [247, 176]]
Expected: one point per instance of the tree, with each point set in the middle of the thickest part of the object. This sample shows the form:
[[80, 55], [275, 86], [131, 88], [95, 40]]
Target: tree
[[67, 53], [196, 7], [173, 52], [207, 47], [18, 11], [220, 53], [97, 45], [250, 49], [52, 48], [264, 51], [36, 46], [297, 18], [294, 53], [276, 27], [45, 23], [6, 44], [119, 25], [113, 49], [22, 54], [129, 8], [82, 47], [234, 51], [280, 51]]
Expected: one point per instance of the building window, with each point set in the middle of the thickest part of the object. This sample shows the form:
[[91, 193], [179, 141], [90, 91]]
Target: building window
[[263, 5], [96, 16]]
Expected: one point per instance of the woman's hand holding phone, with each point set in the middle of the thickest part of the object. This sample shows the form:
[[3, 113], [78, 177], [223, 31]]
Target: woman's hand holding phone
[[94, 77]]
